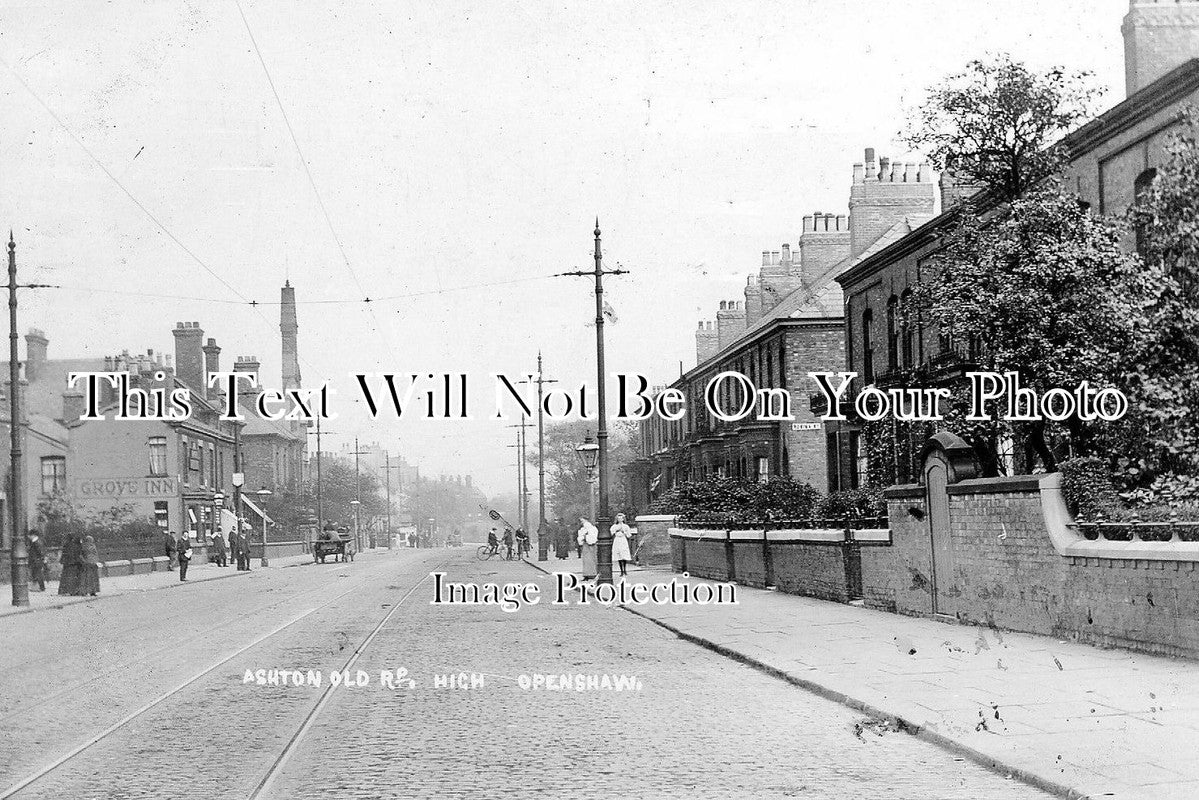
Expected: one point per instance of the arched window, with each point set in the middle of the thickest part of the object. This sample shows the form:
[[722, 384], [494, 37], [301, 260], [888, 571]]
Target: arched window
[[867, 347], [1140, 189], [907, 327], [893, 332]]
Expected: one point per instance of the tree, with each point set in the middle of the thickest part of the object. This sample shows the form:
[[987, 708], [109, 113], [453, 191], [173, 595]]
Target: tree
[[339, 488], [997, 123], [567, 489], [1166, 385], [1046, 290]]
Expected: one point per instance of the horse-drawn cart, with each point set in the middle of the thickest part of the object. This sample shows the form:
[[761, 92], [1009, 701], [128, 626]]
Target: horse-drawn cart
[[332, 543]]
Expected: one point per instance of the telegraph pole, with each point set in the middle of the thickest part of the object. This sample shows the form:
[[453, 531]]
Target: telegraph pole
[[604, 549], [542, 540], [519, 482], [522, 477], [388, 468], [20, 555], [16, 486], [357, 498]]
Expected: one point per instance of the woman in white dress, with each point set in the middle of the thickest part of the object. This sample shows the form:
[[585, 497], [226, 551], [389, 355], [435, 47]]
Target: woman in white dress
[[621, 554], [588, 536]]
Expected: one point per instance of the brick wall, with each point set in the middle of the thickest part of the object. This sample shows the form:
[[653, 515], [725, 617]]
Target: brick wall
[[653, 538], [1007, 574], [810, 569], [706, 559], [749, 563]]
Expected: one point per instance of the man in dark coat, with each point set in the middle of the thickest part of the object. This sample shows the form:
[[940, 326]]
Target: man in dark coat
[[184, 546], [235, 548], [170, 548], [243, 550], [218, 549], [37, 561]]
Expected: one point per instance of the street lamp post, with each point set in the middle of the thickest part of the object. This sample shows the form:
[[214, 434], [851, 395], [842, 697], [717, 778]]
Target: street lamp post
[[588, 453], [603, 553], [357, 542], [263, 494]]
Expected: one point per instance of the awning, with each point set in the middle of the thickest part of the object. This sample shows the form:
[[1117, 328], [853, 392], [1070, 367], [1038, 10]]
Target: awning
[[256, 509]]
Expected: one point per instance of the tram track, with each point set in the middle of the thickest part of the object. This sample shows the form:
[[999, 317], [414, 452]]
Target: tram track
[[141, 659], [280, 762], [65, 759]]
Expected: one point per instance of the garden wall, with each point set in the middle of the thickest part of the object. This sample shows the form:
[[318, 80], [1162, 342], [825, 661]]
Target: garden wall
[[815, 562], [1015, 561], [653, 539]]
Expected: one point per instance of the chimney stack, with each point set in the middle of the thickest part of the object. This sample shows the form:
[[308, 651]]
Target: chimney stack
[[212, 363], [1158, 36], [189, 355], [36, 345]]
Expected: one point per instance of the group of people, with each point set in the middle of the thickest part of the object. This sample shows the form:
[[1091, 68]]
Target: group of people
[[81, 559], [516, 542], [80, 565], [178, 550], [585, 541]]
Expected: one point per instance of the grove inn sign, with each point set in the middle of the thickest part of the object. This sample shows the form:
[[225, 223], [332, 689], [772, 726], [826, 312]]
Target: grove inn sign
[[131, 488]]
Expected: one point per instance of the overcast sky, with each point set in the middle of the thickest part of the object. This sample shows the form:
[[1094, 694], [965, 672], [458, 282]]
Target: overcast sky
[[455, 145]]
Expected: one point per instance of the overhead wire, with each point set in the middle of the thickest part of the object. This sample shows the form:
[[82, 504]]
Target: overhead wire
[[308, 171]]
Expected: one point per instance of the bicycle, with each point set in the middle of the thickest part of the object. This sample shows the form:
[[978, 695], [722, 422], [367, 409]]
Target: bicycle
[[486, 552]]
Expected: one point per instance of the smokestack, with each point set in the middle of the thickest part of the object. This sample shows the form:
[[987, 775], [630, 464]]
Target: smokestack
[[288, 328]]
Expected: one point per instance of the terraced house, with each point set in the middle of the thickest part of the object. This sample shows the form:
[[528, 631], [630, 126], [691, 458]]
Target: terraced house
[[789, 323], [1111, 160]]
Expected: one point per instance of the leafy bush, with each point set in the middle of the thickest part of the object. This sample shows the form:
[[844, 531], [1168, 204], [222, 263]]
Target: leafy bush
[[852, 502], [1087, 487], [738, 500], [1168, 489]]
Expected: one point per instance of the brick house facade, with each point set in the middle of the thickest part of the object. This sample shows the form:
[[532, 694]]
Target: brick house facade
[[1109, 160], [790, 323]]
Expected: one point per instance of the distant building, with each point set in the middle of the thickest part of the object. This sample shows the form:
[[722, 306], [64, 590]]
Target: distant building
[[177, 474]]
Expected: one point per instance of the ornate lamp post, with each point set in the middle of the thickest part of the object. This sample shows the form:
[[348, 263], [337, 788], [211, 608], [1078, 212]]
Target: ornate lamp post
[[263, 494], [588, 453]]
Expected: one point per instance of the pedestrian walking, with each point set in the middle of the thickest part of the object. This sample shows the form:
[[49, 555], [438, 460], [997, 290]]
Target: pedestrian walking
[[621, 553], [89, 581], [169, 546], [562, 544], [184, 547], [508, 543], [522, 543], [243, 551], [587, 538], [72, 564], [218, 549], [37, 561]]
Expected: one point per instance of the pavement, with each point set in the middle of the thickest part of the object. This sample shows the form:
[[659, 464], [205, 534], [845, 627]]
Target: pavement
[[133, 584], [1074, 720], [128, 699]]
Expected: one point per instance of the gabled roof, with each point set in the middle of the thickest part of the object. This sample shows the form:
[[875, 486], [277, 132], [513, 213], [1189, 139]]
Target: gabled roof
[[44, 394], [258, 426]]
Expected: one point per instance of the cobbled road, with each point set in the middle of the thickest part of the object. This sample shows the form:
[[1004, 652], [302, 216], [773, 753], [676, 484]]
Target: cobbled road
[[146, 696]]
